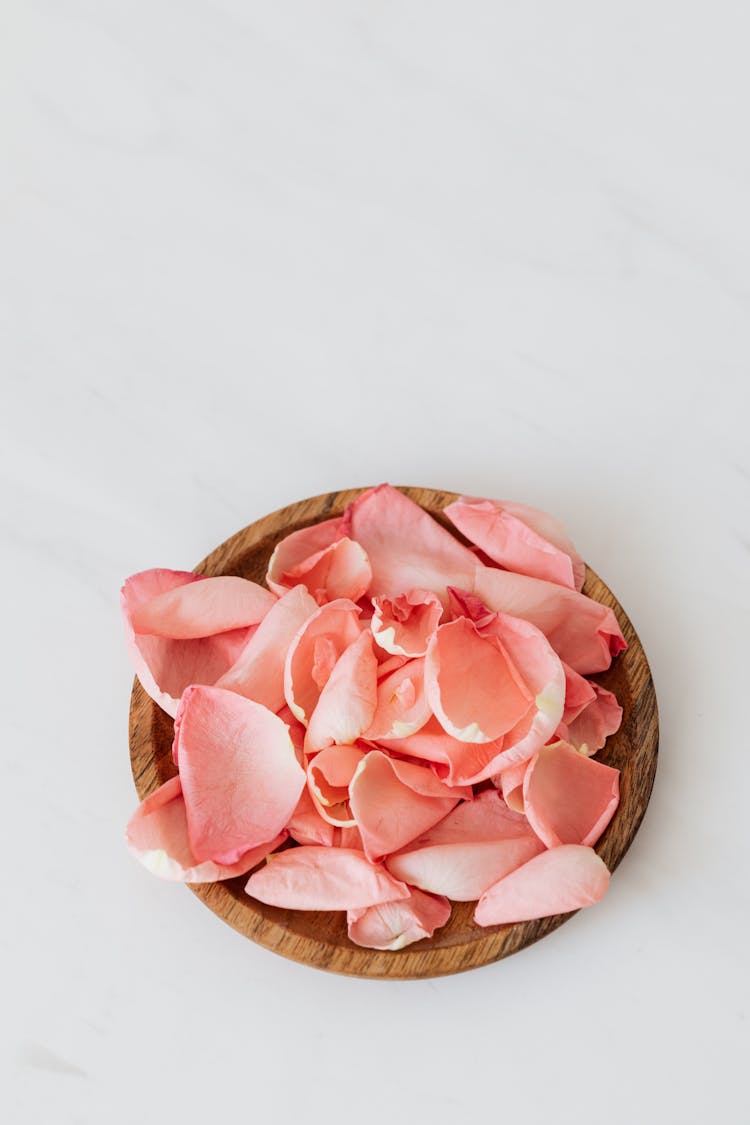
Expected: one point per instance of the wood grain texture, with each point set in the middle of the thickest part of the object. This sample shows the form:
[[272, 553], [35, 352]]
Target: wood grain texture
[[320, 939]]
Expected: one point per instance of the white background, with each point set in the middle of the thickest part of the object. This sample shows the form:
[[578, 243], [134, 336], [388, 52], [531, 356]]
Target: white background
[[253, 252]]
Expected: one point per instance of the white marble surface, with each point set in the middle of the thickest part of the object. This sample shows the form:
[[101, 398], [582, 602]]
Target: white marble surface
[[252, 252]]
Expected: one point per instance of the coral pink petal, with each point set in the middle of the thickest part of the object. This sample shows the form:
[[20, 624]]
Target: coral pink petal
[[258, 672], [341, 571], [328, 776], [483, 818], [569, 798], [388, 810], [463, 872], [472, 685], [394, 925], [456, 763], [406, 547], [203, 607], [511, 783], [593, 725], [505, 536], [157, 834], [307, 826], [292, 552], [240, 776], [314, 652], [347, 702], [313, 878], [553, 882], [165, 666], [553, 531], [582, 632], [402, 706], [405, 624]]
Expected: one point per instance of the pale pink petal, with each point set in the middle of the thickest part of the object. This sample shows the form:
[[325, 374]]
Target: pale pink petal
[[582, 632], [519, 538], [456, 763], [553, 882], [314, 652], [388, 809], [258, 671], [404, 625], [402, 706], [240, 776], [328, 776], [569, 798], [203, 607], [347, 702], [595, 722], [311, 878], [307, 826], [157, 834], [511, 783], [166, 666], [472, 685], [406, 547], [394, 925], [348, 836], [464, 871], [482, 818], [294, 549], [388, 664]]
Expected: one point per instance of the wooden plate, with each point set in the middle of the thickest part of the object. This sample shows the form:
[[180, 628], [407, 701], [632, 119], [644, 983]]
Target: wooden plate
[[320, 939]]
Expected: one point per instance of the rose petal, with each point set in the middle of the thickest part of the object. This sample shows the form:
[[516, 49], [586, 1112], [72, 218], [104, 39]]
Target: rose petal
[[314, 652], [511, 783], [463, 872], [582, 632], [258, 671], [295, 549], [404, 625], [394, 925], [166, 666], [554, 882], [406, 547], [328, 776], [202, 608], [307, 826], [472, 685], [347, 702], [310, 878], [393, 802], [481, 818], [402, 706], [157, 835], [568, 798], [519, 538], [588, 721], [240, 775]]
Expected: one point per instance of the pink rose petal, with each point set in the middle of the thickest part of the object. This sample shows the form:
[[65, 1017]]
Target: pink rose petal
[[314, 652], [554, 882], [406, 547], [472, 685], [328, 776], [519, 538], [324, 560], [310, 878], [402, 706], [202, 608], [307, 826], [481, 818], [394, 925], [258, 671], [582, 632], [591, 714], [393, 802], [463, 872], [240, 776], [347, 702], [165, 666], [569, 798], [157, 835], [404, 625]]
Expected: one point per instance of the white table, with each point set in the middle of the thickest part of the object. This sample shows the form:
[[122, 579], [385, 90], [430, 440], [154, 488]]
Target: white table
[[255, 252]]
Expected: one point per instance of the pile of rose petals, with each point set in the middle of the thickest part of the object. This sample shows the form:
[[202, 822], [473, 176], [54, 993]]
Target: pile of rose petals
[[397, 721]]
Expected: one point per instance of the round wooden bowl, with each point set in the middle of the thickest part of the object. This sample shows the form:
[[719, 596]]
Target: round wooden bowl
[[320, 938]]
